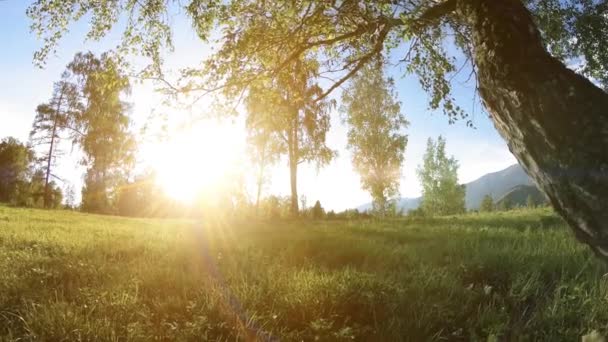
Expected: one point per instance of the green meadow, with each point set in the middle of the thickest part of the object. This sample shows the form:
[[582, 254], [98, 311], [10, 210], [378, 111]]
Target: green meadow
[[517, 275]]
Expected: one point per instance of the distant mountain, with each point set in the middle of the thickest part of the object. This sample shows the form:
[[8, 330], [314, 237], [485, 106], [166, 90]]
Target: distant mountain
[[405, 204], [518, 196], [495, 184]]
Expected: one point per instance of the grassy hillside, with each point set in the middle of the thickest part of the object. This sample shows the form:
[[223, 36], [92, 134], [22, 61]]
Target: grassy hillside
[[516, 275]]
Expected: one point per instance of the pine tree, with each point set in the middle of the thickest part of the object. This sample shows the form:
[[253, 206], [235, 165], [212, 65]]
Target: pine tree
[[55, 121], [317, 211]]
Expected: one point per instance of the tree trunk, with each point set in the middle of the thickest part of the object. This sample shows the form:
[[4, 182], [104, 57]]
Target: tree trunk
[[554, 121], [257, 197], [293, 165], [293, 173], [47, 190], [260, 181]]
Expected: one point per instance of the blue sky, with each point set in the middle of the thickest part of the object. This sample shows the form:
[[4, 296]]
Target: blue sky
[[24, 86]]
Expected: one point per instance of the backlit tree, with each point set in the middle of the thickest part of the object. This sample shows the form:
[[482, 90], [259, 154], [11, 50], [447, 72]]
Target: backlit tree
[[553, 119], [375, 134]]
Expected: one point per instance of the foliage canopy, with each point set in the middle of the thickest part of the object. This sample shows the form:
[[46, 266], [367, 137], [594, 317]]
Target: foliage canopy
[[262, 38], [375, 134]]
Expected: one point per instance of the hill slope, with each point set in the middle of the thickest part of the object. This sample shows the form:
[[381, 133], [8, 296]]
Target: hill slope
[[496, 184], [518, 196]]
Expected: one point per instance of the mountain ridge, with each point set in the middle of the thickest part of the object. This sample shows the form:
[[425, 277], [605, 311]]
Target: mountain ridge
[[518, 196]]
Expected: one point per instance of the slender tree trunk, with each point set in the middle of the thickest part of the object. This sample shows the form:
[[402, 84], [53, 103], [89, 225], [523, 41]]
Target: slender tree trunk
[[260, 181], [293, 173], [554, 121], [293, 165], [103, 192], [258, 195], [47, 190]]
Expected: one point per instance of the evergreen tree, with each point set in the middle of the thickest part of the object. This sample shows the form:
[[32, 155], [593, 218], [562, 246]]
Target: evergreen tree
[[53, 120], [317, 211]]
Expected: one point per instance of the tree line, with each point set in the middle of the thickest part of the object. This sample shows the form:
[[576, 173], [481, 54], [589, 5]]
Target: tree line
[[86, 110]]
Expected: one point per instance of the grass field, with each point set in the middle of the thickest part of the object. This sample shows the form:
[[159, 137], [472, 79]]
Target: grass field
[[508, 276]]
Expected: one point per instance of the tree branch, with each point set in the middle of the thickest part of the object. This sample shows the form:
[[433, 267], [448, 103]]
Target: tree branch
[[305, 47], [430, 15], [436, 12], [74, 130], [360, 63], [384, 24]]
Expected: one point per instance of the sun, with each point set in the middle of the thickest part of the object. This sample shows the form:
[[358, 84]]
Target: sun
[[197, 158]]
